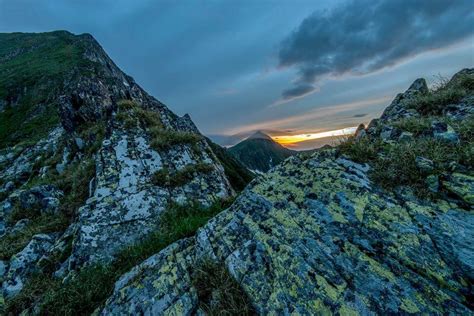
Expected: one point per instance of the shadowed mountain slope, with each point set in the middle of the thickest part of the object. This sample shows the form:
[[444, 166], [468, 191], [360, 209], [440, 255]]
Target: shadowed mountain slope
[[260, 152]]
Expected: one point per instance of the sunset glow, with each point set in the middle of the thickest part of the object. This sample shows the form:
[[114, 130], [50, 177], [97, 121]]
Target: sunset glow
[[291, 139]]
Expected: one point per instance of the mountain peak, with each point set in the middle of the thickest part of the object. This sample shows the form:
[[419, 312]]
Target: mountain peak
[[260, 135]]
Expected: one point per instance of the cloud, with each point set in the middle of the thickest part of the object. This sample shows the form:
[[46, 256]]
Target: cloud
[[360, 115], [329, 113], [361, 37], [299, 90]]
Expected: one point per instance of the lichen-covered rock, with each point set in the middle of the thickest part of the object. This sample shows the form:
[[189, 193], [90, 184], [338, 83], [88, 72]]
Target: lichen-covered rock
[[158, 286], [126, 205], [315, 236], [461, 185], [24, 263], [45, 198], [3, 269], [17, 162], [432, 183]]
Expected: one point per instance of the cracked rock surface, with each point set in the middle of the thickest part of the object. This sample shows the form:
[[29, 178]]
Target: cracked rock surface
[[316, 236]]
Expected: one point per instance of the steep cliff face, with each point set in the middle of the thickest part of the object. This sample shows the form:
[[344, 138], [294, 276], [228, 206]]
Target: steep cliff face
[[89, 161], [324, 234]]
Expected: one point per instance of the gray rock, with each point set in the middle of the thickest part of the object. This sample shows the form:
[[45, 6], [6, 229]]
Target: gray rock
[[424, 165], [398, 108], [19, 161], [387, 133], [360, 132], [444, 132], [50, 205], [60, 167], [44, 198], [461, 185], [79, 143], [20, 225], [405, 137], [9, 186], [124, 206], [23, 264], [432, 182], [419, 85]]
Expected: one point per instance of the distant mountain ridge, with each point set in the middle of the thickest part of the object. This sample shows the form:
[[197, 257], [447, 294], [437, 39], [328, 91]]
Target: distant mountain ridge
[[259, 152], [260, 135]]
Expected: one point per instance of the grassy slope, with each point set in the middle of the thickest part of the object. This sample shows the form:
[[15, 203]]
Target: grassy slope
[[32, 69]]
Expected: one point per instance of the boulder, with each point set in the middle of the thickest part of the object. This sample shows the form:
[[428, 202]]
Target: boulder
[[387, 133], [125, 206], [23, 264], [444, 132]]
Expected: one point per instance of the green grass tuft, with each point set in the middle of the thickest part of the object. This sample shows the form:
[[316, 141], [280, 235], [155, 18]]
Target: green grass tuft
[[165, 178], [132, 114], [434, 102], [19, 213], [218, 292], [362, 150], [416, 125], [165, 139]]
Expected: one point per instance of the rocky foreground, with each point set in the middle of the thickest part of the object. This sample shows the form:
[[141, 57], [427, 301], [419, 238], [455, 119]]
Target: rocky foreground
[[383, 224], [315, 235]]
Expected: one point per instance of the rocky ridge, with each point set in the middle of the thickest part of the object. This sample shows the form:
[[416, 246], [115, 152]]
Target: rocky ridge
[[95, 170], [318, 235]]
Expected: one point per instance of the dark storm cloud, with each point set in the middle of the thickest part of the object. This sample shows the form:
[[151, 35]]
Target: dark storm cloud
[[361, 37]]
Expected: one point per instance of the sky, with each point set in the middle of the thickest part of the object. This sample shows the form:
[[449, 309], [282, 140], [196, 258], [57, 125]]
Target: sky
[[290, 68]]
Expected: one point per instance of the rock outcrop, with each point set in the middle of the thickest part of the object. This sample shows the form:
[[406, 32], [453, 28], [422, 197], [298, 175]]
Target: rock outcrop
[[316, 235], [103, 142], [313, 236]]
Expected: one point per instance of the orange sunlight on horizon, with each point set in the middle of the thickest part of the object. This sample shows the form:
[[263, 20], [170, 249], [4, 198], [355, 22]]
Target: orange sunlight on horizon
[[292, 139]]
